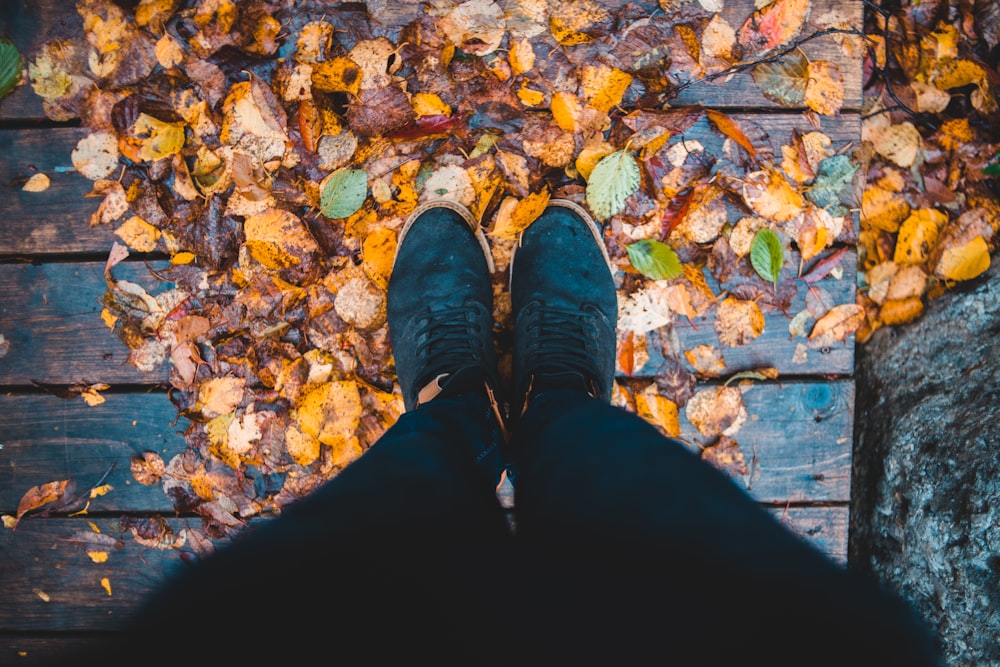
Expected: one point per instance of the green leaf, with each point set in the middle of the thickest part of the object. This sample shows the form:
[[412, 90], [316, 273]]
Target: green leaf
[[783, 81], [994, 168], [343, 192], [613, 180], [767, 255], [654, 259], [834, 174], [11, 65]]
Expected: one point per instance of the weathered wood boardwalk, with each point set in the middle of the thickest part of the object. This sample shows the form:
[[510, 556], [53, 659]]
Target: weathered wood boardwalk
[[51, 288]]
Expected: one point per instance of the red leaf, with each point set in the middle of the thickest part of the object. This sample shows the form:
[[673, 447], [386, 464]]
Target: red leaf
[[427, 126], [676, 210], [824, 266]]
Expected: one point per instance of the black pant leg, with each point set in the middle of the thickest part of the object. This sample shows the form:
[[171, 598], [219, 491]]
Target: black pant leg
[[645, 552]]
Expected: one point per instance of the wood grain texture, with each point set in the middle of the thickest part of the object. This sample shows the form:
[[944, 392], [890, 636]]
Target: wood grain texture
[[51, 315], [46, 438], [796, 441], [52, 584], [823, 527], [56, 220], [43, 558]]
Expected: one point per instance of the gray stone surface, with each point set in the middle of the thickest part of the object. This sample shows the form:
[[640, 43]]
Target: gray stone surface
[[925, 514]]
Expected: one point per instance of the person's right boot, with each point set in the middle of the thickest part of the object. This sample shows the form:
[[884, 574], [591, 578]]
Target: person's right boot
[[565, 308]]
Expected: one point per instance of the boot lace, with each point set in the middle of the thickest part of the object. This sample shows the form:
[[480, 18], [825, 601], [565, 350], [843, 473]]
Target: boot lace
[[560, 339], [453, 339]]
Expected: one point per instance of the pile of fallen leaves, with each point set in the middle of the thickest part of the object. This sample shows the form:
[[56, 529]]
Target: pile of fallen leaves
[[930, 212], [270, 152]]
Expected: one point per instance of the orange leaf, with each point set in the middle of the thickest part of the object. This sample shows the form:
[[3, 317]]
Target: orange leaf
[[839, 323], [731, 129], [39, 496], [626, 350]]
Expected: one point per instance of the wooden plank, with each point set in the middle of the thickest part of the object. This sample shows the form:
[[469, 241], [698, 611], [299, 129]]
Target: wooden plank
[[796, 441], [52, 584], [51, 315], [57, 220], [29, 650], [46, 438], [42, 558], [30, 24], [740, 91], [823, 527]]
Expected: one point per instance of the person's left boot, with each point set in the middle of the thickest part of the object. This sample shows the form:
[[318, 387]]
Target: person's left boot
[[440, 306]]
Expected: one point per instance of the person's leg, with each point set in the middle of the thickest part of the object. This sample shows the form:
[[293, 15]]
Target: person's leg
[[396, 554], [640, 549]]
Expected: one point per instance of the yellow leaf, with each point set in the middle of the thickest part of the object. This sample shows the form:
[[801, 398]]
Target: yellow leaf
[[918, 235], [278, 239], [565, 110], [530, 97], [220, 396], [98, 556], [737, 322], [429, 104], [138, 234], [900, 143], [168, 51], [900, 311], [106, 585], [521, 215], [37, 183], [521, 56], [964, 262], [771, 196], [836, 325], [569, 20], [302, 447], [378, 252], [958, 73], [590, 155], [108, 318], [825, 89], [883, 209], [658, 410], [157, 139], [330, 412], [182, 257], [604, 86]]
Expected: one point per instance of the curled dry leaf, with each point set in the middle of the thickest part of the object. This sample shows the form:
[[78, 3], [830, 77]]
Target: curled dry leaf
[[727, 456], [45, 494], [716, 411], [147, 468], [836, 325]]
